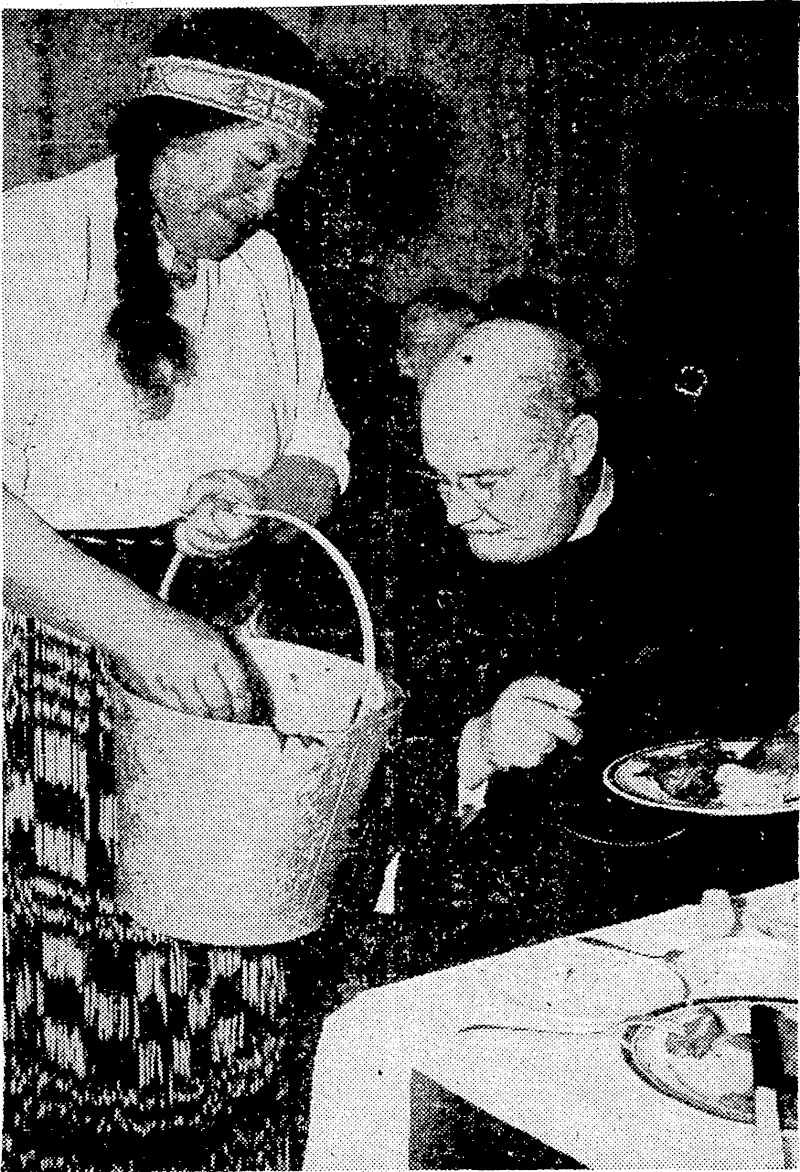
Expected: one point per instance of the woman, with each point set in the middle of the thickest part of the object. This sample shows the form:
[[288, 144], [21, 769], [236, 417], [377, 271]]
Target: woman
[[160, 360]]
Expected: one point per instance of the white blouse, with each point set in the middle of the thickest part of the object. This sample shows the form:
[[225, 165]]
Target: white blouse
[[76, 448]]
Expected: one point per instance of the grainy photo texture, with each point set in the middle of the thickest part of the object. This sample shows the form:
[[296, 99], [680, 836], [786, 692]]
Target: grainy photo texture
[[400, 554]]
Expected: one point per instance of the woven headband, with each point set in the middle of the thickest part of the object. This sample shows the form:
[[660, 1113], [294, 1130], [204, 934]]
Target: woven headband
[[248, 95]]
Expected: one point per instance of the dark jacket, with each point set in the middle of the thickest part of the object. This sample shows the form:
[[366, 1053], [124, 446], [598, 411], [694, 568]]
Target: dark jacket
[[629, 617]]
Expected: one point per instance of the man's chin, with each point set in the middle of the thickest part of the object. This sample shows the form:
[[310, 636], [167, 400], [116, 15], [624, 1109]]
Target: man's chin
[[502, 547]]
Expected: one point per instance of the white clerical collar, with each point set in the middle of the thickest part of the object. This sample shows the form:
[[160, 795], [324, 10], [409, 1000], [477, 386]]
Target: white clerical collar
[[597, 505]]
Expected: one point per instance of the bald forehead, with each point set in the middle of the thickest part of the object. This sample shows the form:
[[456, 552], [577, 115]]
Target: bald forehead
[[497, 369]]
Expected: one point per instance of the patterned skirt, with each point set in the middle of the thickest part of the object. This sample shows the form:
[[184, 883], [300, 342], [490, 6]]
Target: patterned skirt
[[124, 1049]]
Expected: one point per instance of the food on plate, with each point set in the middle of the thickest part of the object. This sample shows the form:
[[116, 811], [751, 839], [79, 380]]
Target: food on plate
[[690, 776], [718, 1063], [696, 1034], [708, 773], [706, 1057], [701, 1055]]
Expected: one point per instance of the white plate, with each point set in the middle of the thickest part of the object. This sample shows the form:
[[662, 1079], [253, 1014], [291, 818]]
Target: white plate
[[720, 1082], [644, 790]]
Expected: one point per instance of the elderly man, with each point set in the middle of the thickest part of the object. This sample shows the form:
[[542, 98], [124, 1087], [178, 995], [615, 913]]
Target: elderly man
[[569, 640]]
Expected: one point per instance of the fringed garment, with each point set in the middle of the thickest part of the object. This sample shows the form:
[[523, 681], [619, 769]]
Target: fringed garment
[[124, 1049]]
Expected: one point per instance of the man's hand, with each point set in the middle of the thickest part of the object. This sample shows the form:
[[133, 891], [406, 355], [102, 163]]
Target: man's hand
[[526, 723], [301, 486]]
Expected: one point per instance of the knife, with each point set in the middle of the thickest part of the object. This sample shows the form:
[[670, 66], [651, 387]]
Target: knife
[[767, 1076]]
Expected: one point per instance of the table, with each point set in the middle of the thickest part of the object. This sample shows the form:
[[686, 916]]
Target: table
[[574, 1093]]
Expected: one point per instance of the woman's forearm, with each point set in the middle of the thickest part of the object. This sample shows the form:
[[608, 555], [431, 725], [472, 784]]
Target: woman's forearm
[[161, 653], [54, 581]]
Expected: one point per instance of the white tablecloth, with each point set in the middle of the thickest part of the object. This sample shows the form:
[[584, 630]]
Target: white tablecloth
[[575, 1093]]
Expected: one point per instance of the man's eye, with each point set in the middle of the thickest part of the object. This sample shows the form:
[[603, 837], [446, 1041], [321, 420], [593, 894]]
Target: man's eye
[[485, 483]]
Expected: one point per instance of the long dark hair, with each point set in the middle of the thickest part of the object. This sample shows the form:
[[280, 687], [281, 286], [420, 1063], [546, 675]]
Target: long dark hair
[[152, 349]]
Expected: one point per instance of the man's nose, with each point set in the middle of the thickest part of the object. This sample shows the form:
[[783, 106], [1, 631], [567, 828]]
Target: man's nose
[[462, 509]]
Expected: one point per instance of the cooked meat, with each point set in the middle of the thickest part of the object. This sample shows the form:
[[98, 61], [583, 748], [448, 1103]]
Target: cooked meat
[[696, 1034], [690, 777], [689, 783]]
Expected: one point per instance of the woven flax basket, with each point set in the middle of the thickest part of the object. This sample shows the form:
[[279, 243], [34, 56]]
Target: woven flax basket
[[231, 834]]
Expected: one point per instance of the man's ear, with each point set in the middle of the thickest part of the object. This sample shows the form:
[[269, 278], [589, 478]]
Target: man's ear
[[581, 443]]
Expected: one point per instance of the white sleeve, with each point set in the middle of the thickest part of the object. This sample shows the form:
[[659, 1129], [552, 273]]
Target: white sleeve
[[317, 431], [18, 382], [17, 429], [26, 254], [43, 278]]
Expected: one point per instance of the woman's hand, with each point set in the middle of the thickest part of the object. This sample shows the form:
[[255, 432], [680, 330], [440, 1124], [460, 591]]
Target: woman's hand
[[181, 662], [211, 527], [162, 653], [294, 484]]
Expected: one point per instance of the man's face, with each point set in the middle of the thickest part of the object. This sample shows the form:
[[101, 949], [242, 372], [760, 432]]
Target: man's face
[[213, 190], [508, 487]]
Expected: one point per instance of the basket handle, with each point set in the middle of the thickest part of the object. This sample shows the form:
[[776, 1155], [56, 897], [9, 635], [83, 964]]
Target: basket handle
[[365, 619]]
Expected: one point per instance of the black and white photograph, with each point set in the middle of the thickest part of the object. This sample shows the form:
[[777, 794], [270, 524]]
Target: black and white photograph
[[400, 570]]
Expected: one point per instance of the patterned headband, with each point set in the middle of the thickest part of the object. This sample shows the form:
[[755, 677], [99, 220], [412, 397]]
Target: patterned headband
[[249, 95]]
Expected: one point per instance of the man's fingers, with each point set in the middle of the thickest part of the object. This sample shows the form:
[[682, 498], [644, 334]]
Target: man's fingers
[[539, 688], [537, 719], [548, 720], [522, 751]]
